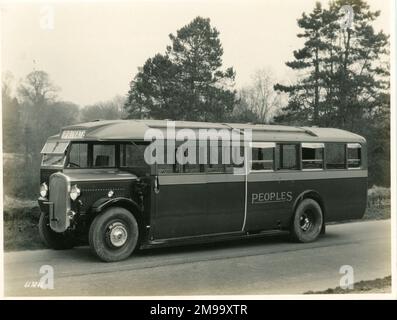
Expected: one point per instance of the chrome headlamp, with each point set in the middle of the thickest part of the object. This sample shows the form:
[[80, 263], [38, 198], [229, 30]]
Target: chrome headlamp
[[43, 189], [74, 192]]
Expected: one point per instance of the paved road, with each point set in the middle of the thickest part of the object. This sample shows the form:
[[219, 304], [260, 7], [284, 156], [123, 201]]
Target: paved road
[[267, 265]]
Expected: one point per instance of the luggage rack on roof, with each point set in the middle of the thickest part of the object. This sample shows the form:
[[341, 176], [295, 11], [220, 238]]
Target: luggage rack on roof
[[277, 129], [308, 131], [255, 127]]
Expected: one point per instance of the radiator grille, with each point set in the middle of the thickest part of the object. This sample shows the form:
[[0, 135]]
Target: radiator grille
[[59, 196]]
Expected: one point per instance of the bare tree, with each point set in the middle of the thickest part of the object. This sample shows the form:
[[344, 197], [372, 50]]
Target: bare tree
[[260, 95], [106, 110], [7, 80], [11, 116], [37, 88]]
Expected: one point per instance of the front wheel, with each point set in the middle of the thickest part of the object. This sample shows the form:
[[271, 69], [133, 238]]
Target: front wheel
[[114, 234], [307, 222], [52, 239]]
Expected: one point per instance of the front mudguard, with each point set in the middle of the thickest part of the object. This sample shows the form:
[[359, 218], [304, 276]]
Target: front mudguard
[[104, 203]]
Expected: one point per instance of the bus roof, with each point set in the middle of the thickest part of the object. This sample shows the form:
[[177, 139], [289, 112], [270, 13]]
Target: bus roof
[[111, 130]]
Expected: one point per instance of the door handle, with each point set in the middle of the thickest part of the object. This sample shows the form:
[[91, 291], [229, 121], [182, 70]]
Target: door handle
[[156, 185]]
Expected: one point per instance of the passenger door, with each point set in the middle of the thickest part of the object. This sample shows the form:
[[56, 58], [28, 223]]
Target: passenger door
[[195, 200], [225, 195], [180, 200]]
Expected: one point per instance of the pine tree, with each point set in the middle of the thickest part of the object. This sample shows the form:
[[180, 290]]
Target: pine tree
[[187, 82], [305, 96], [345, 81], [345, 73]]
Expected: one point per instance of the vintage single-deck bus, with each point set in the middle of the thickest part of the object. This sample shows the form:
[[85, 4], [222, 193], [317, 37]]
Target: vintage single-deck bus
[[97, 183]]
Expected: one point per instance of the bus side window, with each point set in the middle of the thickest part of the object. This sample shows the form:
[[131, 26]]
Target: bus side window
[[312, 156], [335, 156], [262, 156], [237, 157], [169, 166], [227, 159], [195, 166], [214, 162], [132, 155], [354, 155], [287, 156]]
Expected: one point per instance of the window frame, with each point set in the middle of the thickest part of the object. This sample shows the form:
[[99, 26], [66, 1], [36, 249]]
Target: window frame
[[69, 152], [345, 155], [63, 152], [353, 145], [178, 169], [208, 163], [60, 166], [298, 156], [123, 148], [64, 147], [116, 154], [310, 145], [201, 168], [262, 145], [90, 154]]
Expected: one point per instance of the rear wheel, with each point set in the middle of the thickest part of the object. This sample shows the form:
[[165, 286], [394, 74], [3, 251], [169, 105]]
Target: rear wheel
[[52, 239], [114, 234], [308, 221]]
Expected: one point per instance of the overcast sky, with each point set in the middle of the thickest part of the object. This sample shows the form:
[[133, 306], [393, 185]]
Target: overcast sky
[[95, 48]]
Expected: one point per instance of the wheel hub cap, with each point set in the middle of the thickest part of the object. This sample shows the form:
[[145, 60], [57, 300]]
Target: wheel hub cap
[[305, 223], [118, 234]]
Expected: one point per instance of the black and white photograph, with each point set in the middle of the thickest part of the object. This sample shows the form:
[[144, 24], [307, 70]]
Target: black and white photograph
[[173, 149]]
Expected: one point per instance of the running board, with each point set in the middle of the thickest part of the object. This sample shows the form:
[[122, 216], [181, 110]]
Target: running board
[[210, 238]]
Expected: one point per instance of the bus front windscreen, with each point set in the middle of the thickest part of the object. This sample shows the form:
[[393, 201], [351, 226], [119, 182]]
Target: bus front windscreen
[[92, 155], [53, 160], [54, 153], [103, 155]]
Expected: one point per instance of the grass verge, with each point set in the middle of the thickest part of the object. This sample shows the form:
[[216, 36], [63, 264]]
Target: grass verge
[[381, 285]]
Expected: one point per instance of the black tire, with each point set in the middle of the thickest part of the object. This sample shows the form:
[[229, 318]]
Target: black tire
[[52, 239], [323, 229], [114, 234], [307, 222]]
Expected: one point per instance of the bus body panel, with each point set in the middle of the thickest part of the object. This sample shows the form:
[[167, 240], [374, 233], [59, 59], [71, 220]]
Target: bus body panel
[[192, 205], [270, 204], [180, 210], [226, 205], [183, 205], [195, 208]]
